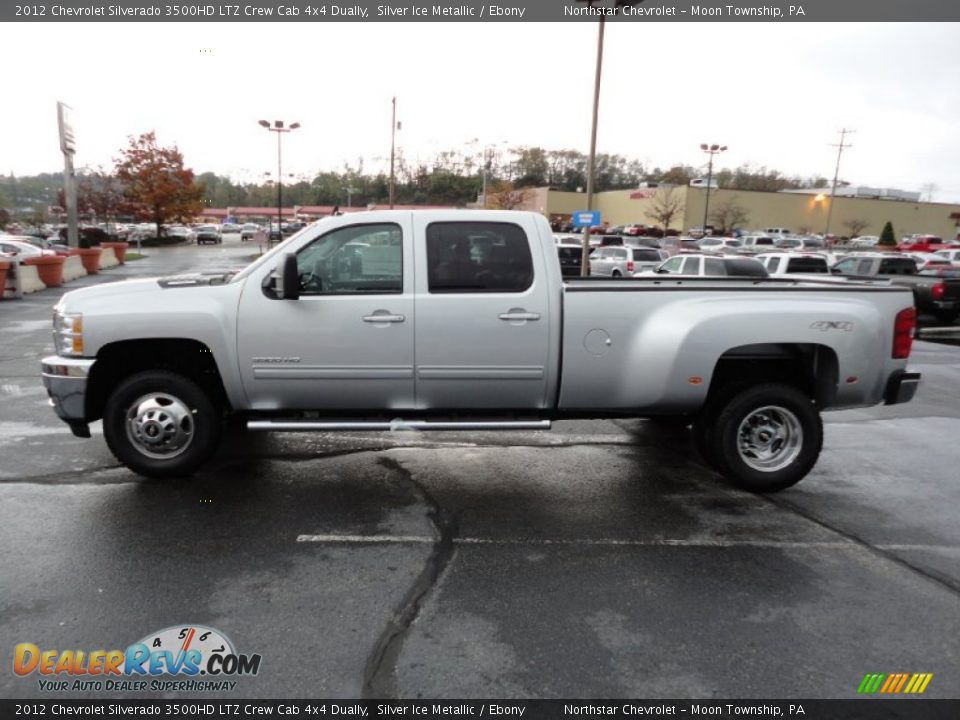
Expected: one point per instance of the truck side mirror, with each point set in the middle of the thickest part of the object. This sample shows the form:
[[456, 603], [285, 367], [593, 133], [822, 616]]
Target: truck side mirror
[[287, 285]]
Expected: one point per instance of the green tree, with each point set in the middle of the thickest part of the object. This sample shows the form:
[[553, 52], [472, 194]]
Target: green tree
[[887, 237]]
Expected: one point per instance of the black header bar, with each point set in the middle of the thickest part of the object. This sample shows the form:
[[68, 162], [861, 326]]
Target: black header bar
[[475, 11]]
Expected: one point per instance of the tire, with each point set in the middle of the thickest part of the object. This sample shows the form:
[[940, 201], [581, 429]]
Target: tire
[[766, 437], [161, 424], [615, 274]]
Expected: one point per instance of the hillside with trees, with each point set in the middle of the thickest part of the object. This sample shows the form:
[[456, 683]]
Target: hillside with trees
[[453, 177]]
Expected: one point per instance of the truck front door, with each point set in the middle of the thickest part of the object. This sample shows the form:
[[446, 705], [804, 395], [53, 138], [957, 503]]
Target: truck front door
[[483, 330], [347, 342]]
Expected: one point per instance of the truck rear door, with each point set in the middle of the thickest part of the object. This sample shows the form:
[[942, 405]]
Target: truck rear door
[[482, 336]]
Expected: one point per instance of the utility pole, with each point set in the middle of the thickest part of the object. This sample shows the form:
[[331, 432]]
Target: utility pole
[[393, 133], [836, 174], [591, 159]]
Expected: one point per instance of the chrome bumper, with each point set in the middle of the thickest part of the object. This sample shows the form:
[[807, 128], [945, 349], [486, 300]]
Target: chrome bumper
[[66, 382]]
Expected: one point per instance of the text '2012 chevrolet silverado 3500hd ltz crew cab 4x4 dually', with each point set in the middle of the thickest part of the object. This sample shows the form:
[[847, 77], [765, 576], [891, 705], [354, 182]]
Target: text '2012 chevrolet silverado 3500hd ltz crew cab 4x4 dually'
[[461, 320]]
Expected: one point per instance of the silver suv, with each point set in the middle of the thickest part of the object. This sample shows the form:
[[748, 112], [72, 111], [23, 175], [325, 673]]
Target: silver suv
[[620, 261]]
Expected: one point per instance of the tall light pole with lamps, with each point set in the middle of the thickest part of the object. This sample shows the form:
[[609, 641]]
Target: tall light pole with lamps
[[711, 150], [279, 129]]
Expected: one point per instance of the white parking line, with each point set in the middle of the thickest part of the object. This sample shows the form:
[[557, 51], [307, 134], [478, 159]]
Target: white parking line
[[335, 539]]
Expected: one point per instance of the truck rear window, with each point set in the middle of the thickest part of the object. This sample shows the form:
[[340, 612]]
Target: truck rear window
[[464, 257], [807, 265]]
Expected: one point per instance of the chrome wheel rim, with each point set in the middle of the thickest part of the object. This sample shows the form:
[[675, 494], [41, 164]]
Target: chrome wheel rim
[[769, 438], [160, 426]]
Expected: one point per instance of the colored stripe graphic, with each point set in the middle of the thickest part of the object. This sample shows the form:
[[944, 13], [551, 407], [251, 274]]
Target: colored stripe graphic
[[894, 683]]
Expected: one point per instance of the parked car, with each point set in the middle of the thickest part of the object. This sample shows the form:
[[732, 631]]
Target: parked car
[[864, 241], [719, 244], [636, 229], [20, 246], [952, 255], [800, 242], [624, 261], [783, 264], [924, 243], [937, 295], [248, 231], [180, 233], [208, 234], [712, 265], [49, 244], [750, 244], [571, 257], [926, 260], [507, 344], [230, 228], [637, 241], [643, 241]]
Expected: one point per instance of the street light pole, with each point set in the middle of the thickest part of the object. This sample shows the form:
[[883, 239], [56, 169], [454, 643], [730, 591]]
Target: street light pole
[[279, 129], [711, 150]]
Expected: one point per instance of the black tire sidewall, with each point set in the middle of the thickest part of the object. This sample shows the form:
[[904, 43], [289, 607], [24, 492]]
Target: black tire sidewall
[[722, 440], [206, 421]]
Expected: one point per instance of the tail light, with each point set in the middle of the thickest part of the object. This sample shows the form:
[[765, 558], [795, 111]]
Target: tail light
[[630, 266], [903, 328], [937, 291]]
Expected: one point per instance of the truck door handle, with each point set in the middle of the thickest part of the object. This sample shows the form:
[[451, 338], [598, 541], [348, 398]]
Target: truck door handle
[[383, 316], [515, 315]]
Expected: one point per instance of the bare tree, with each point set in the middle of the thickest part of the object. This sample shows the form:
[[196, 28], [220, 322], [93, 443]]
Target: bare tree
[[855, 226], [504, 196], [666, 205], [729, 215]]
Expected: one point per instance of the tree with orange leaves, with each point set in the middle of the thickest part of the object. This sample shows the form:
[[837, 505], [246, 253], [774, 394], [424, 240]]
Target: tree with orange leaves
[[157, 186]]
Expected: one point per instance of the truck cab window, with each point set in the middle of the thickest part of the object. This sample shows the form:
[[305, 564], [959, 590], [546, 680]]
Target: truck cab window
[[353, 259], [466, 257]]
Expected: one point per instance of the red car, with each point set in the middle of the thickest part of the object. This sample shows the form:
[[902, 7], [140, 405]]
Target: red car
[[924, 243]]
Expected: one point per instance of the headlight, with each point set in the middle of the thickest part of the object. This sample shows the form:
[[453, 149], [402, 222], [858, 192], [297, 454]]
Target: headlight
[[68, 333]]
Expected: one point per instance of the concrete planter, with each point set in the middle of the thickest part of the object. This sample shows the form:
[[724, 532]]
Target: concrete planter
[[49, 268], [4, 266], [90, 257], [119, 249]]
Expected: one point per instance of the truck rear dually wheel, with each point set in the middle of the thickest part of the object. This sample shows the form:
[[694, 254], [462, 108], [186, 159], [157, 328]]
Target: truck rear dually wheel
[[161, 424], [766, 437]]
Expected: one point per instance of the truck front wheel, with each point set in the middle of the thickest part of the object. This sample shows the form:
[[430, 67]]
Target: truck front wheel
[[766, 437], [161, 424]]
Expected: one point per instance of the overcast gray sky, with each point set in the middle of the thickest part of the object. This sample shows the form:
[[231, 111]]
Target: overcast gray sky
[[777, 94]]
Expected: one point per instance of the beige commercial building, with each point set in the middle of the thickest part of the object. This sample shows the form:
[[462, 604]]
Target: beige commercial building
[[798, 211]]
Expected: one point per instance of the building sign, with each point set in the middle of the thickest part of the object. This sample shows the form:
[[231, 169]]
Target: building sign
[[68, 144], [586, 218]]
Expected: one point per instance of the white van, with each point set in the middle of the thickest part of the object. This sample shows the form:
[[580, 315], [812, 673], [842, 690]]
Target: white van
[[702, 183], [777, 231]]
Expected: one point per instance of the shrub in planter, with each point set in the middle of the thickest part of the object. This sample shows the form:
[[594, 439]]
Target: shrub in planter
[[90, 257], [4, 266], [49, 268], [92, 237], [119, 249]]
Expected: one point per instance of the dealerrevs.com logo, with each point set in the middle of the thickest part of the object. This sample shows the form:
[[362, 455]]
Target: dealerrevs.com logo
[[198, 658]]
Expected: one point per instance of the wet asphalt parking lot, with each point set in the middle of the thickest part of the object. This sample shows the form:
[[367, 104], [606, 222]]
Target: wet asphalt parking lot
[[599, 559]]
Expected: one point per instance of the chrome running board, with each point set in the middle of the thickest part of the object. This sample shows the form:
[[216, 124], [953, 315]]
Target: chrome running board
[[397, 425]]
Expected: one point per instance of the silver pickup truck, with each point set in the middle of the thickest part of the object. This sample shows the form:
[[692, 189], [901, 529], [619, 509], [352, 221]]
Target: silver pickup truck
[[461, 320]]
